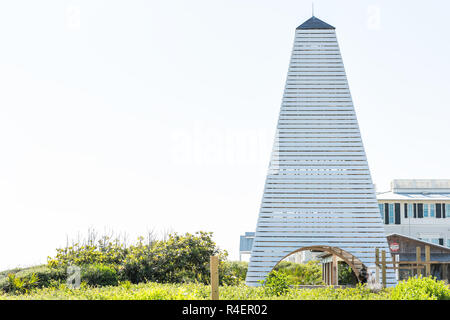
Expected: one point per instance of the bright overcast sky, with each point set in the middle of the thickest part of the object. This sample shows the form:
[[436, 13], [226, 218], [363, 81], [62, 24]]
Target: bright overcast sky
[[140, 115]]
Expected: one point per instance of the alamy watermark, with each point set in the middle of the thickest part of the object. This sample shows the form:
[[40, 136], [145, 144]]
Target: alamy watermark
[[203, 145], [73, 20], [373, 17], [73, 277]]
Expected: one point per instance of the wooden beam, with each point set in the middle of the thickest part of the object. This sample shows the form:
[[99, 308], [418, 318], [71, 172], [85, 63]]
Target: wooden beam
[[377, 262], [214, 266], [394, 264], [418, 259], [383, 267], [410, 267], [422, 262], [445, 271], [334, 271]]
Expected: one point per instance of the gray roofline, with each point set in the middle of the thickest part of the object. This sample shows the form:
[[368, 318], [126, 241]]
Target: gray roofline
[[314, 23], [418, 240]]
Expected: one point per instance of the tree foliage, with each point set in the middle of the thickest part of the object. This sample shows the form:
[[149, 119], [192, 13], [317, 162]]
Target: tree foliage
[[421, 288], [309, 273], [181, 258], [276, 283], [176, 259]]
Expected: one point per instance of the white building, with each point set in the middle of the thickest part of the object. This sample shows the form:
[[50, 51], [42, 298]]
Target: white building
[[418, 209], [318, 194]]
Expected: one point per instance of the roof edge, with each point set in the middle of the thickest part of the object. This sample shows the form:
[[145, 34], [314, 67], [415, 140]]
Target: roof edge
[[419, 240], [315, 23]]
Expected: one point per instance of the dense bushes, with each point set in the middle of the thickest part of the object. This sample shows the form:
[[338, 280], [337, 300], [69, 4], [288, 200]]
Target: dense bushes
[[346, 276], [192, 291], [232, 272], [309, 273], [275, 288], [35, 277], [178, 259], [100, 275], [112, 270], [103, 251], [421, 288], [276, 283]]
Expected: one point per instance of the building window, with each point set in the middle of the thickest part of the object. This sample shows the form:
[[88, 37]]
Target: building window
[[381, 206], [410, 210], [435, 241], [420, 210], [432, 209], [441, 241], [448, 243], [438, 210], [391, 213], [425, 210], [386, 213], [397, 213]]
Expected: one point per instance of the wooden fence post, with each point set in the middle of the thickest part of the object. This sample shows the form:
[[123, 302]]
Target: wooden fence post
[[383, 267], [214, 267], [445, 273], [427, 259], [334, 270], [377, 265], [418, 260], [395, 265]]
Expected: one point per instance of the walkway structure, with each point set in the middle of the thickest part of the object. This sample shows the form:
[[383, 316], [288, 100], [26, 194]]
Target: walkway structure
[[318, 191]]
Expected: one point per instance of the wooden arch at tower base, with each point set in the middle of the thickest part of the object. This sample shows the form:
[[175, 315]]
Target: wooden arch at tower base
[[353, 262]]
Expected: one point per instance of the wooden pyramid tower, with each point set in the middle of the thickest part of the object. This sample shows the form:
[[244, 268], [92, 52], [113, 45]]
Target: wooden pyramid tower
[[319, 191]]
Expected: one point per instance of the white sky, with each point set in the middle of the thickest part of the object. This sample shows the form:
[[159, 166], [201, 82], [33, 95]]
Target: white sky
[[140, 115]]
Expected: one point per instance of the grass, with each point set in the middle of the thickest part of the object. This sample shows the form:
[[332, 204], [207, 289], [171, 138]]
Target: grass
[[157, 291]]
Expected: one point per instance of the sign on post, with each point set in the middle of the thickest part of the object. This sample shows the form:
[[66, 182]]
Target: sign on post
[[394, 247]]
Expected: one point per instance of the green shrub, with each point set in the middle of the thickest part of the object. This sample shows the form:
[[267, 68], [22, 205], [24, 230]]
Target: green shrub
[[104, 251], [276, 283], [23, 285], [194, 291], [309, 273], [232, 273], [100, 275], [421, 288], [181, 258], [346, 276], [46, 277]]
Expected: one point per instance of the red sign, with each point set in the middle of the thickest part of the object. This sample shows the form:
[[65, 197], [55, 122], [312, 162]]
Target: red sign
[[394, 246]]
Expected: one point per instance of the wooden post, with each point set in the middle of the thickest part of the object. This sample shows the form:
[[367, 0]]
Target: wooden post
[[214, 266], [334, 275], [329, 274], [395, 265], [324, 273], [377, 265], [337, 271], [427, 259], [445, 272], [383, 267], [418, 260]]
